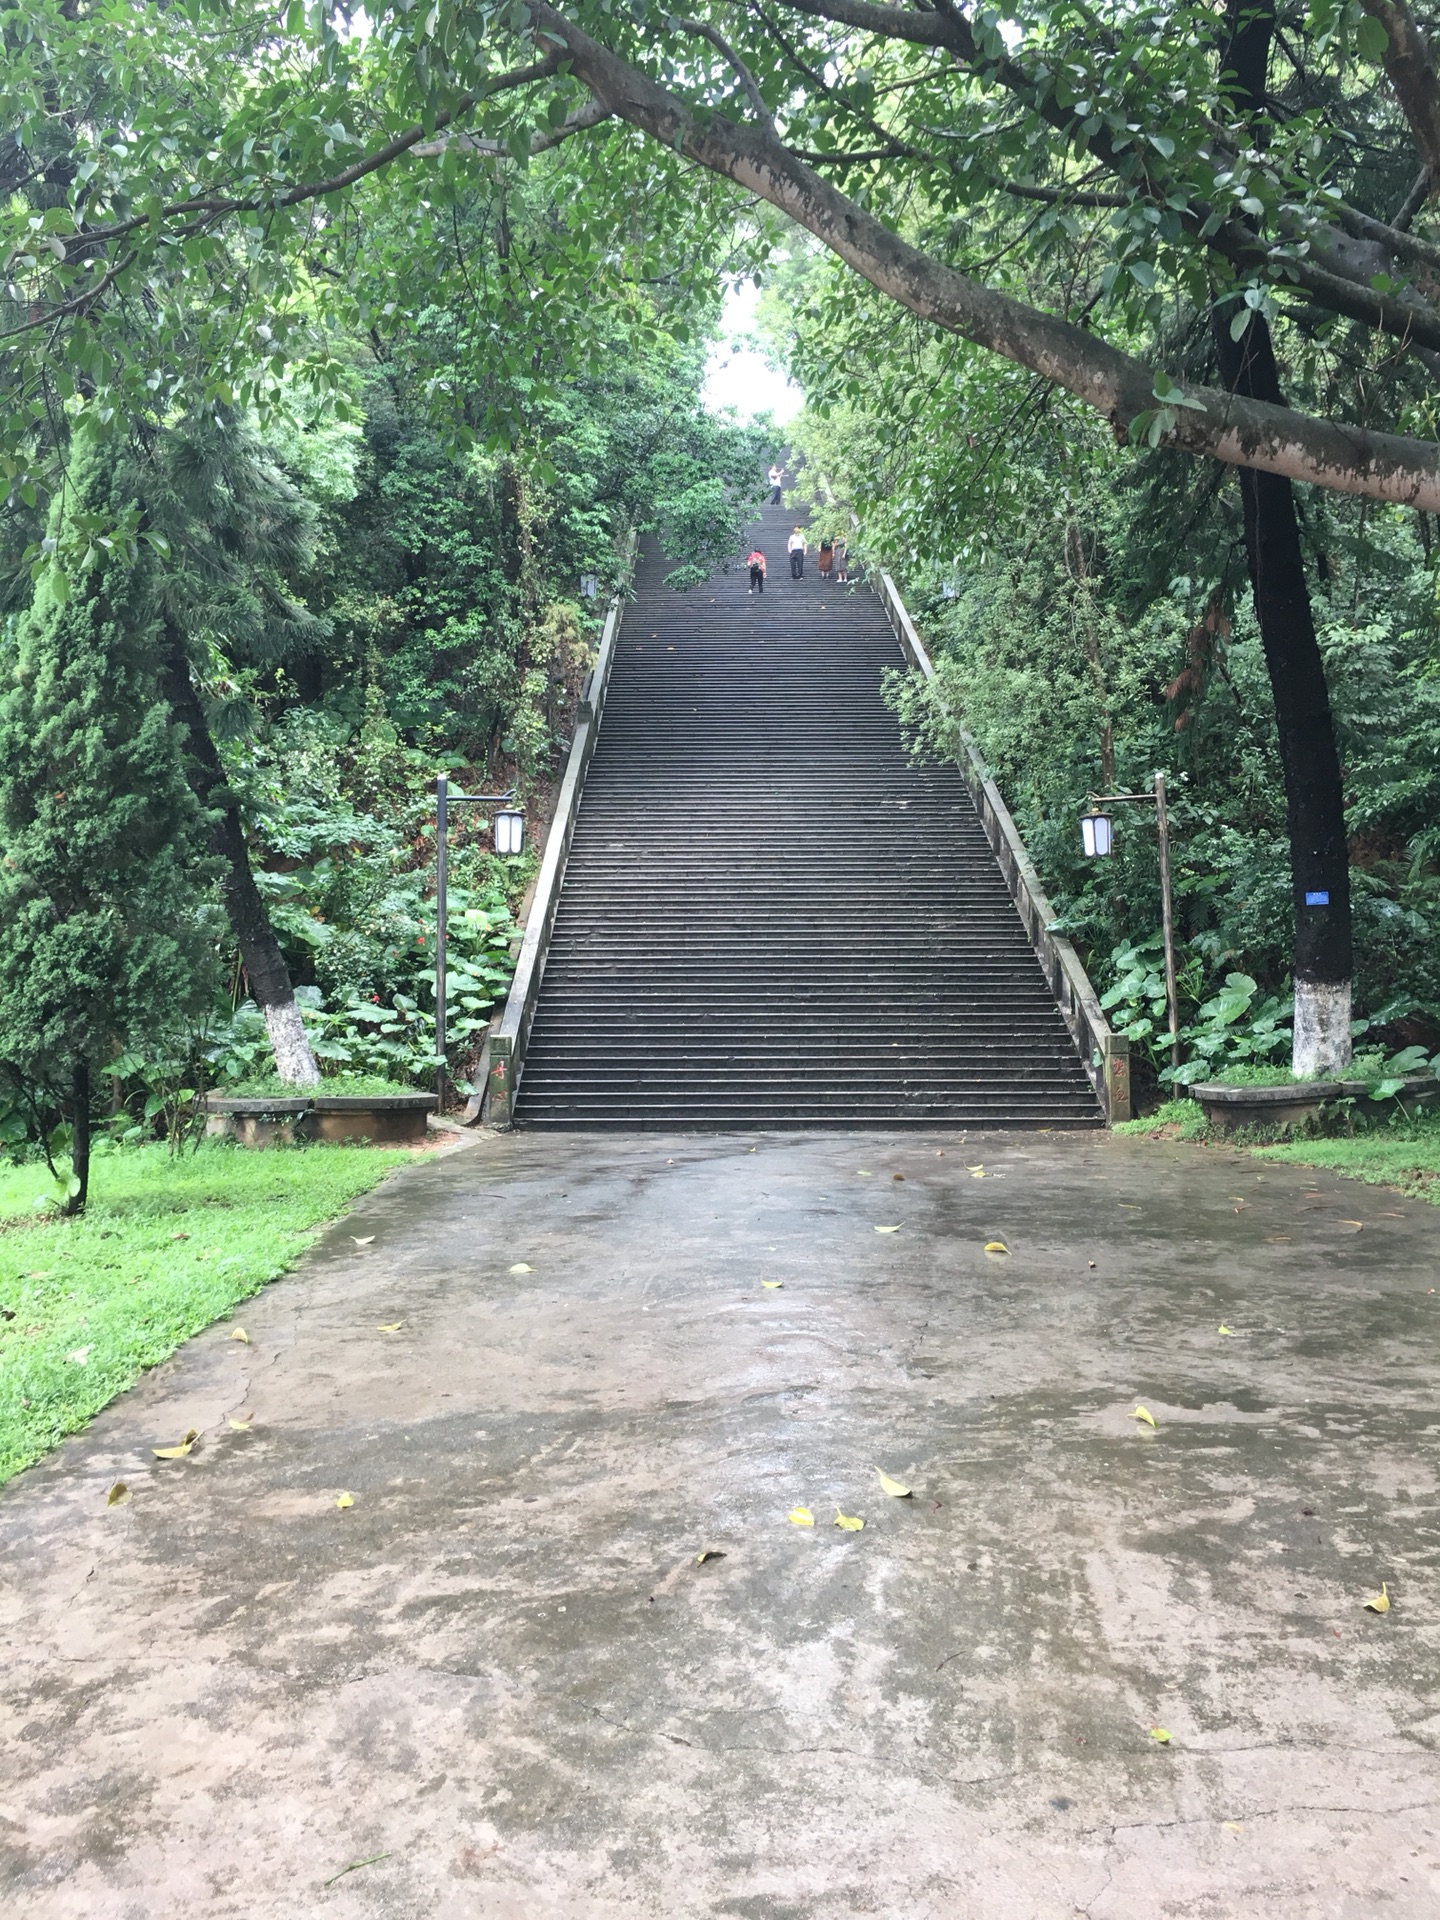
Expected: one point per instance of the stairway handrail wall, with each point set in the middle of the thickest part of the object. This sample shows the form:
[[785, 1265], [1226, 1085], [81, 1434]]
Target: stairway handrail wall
[[512, 1034], [1104, 1053]]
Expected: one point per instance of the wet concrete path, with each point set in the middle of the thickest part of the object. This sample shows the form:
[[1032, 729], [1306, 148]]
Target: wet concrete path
[[504, 1671]]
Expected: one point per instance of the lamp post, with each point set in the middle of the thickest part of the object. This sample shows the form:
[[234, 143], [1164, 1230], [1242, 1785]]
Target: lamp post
[[509, 839], [1098, 838]]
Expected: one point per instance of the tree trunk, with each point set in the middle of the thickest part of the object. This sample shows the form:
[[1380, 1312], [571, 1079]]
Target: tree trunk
[[80, 1138], [259, 949], [1314, 794]]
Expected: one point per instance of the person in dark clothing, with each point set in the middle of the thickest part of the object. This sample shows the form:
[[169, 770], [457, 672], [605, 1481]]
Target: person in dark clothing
[[756, 564]]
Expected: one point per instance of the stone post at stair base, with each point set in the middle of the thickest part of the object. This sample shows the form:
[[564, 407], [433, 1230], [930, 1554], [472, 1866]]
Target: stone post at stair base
[[1117, 1078]]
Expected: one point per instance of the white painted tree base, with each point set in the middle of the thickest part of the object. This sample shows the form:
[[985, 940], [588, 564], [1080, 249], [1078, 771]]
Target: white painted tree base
[[294, 1062], [1322, 1029]]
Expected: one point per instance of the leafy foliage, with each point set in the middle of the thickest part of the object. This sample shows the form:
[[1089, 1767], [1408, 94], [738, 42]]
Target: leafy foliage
[[1089, 622], [102, 938]]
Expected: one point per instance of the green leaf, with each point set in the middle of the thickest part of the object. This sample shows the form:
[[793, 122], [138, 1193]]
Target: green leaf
[[1371, 40]]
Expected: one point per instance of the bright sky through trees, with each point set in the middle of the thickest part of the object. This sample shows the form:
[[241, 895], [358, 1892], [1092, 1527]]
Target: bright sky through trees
[[736, 375]]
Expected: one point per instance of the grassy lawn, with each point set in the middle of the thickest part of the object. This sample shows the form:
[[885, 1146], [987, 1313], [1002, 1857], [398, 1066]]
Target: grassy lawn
[[1406, 1157], [165, 1247], [1384, 1159]]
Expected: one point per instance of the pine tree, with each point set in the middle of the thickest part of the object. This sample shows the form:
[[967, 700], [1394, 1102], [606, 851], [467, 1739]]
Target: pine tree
[[102, 945]]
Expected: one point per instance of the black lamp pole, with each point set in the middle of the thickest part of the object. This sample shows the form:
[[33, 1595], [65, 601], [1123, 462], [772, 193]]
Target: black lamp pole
[[1162, 822], [443, 799]]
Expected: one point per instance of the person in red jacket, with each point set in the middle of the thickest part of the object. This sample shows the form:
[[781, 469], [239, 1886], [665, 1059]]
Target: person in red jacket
[[756, 564]]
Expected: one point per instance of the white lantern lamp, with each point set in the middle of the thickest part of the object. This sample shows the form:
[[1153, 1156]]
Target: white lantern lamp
[[1097, 833], [509, 832]]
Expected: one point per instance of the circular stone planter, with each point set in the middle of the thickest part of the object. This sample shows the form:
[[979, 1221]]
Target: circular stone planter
[[266, 1122], [385, 1120], [1229, 1108], [382, 1119]]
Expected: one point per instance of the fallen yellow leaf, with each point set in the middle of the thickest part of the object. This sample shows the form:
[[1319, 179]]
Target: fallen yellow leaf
[[118, 1494], [848, 1521], [240, 1426], [893, 1487], [864, 1173], [710, 1553], [887, 1229], [1232, 1826], [241, 1334], [1225, 1329], [391, 1326], [802, 1516], [996, 1246], [1144, 1413], [177, 1453], [1159, 1735], [521, 1267], [368, 1239], [772, 1283], [345, 1500], [1380, 1602], [978, 1172], [1357, 1224]]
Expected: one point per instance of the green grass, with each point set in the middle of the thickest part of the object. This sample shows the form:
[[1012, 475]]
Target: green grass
[[1187, 1117], [165, 1247], [264, 1086], [1406, 1157]]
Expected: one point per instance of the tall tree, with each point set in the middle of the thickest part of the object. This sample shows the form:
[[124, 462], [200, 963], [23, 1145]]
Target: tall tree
[[102, 940], [232, 525], [1324, 957]]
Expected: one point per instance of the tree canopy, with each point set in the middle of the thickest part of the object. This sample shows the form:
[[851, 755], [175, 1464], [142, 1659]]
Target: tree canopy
[[219, 173]]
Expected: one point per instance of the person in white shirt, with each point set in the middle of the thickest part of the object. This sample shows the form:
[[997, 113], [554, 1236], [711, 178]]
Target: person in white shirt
[[777, 477], [797, 546]]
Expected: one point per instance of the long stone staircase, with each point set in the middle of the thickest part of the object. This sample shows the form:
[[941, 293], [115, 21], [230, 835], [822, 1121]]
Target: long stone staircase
[[770, 916]]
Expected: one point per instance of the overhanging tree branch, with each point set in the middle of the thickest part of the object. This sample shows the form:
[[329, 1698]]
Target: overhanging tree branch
[[1242, 432], [1327, 266], [588, 116], [732, 59], [1412, 77]]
